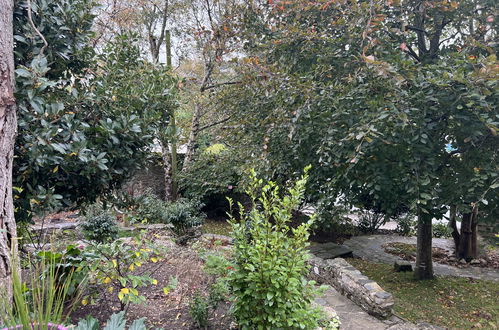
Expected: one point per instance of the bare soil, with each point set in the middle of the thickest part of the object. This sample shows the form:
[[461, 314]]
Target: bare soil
[[167, 311]]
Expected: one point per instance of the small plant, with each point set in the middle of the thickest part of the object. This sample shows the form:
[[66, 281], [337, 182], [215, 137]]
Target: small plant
[[441, 230], [40, 302], [117, 266], [100, 227], [269, 277], [185, 214], [198, 309], [117, 321], [406, 225], [369, 222]]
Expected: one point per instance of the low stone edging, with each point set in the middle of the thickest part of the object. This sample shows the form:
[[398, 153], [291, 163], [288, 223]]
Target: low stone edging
[[351, 283]]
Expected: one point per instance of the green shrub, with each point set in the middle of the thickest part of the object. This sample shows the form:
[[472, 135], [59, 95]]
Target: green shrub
[[42, 297], [198, 309], [117, 266], [369, 222], [183, 213], [100, 228], [441, 230], [406, 225], [269, 278]]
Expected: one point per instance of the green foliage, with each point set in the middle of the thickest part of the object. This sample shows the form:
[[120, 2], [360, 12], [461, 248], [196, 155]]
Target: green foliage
[[213, 174], [69, 265], [117, 265], [373, 119], [269, 280], [183, 213], [441, 230], [117, 321], [85, 119], [406, 225], [369, 222], [43, 297], [198, 309], [100, 227]]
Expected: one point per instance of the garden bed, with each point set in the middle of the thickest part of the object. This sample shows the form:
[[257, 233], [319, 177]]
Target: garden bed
[[406, 251]]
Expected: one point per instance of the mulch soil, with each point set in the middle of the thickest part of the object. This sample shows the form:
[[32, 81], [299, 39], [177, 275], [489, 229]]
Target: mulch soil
[[166, 311]]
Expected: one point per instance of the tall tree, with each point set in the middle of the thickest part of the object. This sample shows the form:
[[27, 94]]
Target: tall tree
[[8, 128]]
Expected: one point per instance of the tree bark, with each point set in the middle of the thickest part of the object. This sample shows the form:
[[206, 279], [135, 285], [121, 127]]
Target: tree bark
[[455, 232], [193, 135], [467, 247], [167, 167], [424, 265], [8, 130]]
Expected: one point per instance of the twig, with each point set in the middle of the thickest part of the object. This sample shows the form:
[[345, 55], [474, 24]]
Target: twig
[[30, 18]]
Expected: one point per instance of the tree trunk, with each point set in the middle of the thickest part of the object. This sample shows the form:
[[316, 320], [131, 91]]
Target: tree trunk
[[8, 128], [464, 248], [193, 135], [455, 232], [167, 167], [467, 248], [424, 265]]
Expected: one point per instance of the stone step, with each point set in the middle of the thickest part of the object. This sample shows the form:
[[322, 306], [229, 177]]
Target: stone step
[[330, 251]]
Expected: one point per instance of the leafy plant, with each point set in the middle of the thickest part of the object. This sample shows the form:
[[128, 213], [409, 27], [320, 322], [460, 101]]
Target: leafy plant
[[70, 263], [183, 213], [198, 309], [441, 230], [117, 266], [269, 278], [44, 299], [117, 321], [100, 227], [406, 225], [369, 222]]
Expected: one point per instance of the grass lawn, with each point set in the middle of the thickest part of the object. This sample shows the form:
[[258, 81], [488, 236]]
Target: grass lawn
[[456, 303]]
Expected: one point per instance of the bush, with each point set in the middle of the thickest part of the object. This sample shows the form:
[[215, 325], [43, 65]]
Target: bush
[[183, 214], [269, 277], [369, 222], [198, 308], [406, 225], [333, 218], [441, 230], [100, 227]]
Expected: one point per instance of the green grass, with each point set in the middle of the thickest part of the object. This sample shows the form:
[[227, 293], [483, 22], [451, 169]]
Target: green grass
[[218, 227], [455, 303]]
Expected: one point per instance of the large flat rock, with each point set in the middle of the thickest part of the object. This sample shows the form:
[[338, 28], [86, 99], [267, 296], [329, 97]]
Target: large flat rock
[[330, 251]]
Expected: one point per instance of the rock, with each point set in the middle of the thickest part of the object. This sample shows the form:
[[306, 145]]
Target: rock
[[402, 266], [475, 262], [483, 262], [462, 262], [452, 259], [330, 251]]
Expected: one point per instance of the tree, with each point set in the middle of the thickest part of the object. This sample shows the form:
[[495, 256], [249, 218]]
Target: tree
[[8, 128], [370, 94]]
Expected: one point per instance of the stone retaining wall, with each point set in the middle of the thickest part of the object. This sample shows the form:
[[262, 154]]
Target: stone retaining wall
[[351, 283]]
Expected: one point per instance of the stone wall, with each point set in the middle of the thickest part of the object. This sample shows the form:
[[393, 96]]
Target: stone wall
[[351, 283]]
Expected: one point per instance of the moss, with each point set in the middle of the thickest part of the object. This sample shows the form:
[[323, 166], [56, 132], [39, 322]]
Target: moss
[[456, 303], [217, 227]]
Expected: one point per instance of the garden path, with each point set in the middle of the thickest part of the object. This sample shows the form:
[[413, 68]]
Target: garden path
[[353, 317], [369, 247]]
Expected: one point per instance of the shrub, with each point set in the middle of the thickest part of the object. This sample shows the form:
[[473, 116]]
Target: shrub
[[333, 218], [42, 298], [198, 308], [183, 214], [441, 230], [117, 265], [369, 222], [100, 228], [406, 225], [268, 282]]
